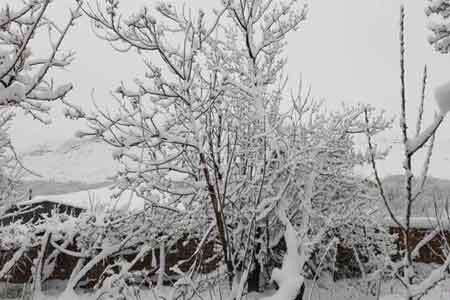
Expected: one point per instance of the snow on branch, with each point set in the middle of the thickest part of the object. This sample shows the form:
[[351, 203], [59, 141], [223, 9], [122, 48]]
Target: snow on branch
[[438, 12], [414, 287], [442, 97], [289, 278], [414, 144], [24, 77]]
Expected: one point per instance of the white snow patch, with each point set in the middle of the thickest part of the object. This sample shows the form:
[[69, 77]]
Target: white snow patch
[[101, 198], [442, 96]]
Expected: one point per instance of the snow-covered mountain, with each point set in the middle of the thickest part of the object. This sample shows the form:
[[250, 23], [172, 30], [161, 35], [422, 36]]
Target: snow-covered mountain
[[75, 160]]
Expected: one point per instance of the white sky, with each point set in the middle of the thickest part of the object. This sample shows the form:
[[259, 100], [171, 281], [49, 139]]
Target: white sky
[[347, 50]]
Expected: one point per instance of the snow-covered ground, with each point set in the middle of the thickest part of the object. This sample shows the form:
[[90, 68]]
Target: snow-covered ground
[[322, 290]]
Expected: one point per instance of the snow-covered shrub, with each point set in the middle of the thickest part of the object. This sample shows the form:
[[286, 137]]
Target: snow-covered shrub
[[92, 241], [362, 249], [122, 285]]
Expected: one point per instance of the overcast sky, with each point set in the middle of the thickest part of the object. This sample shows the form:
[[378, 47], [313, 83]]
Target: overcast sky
[[346, 50]]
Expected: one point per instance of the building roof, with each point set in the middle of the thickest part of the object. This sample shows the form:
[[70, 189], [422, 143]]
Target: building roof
[[101, 198]]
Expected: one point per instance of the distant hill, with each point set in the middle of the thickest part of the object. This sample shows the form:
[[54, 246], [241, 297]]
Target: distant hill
[[81, 164], [436, 192], [86, 160], [67, 167]]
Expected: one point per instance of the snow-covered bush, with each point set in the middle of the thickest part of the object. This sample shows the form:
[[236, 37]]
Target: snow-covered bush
[[93, 238]]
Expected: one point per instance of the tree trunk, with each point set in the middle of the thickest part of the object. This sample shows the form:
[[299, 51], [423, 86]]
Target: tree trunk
[[253, 277], [301, 292], [219, 216], [253, 281]]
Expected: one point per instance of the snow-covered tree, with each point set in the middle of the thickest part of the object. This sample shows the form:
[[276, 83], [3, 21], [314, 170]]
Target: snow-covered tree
[[25, 81], [438, 12], [414, 287], [202, 134], [184, 134], [24, 74]]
